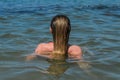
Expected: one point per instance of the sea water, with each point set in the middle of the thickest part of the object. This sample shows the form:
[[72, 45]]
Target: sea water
[[95, 27]]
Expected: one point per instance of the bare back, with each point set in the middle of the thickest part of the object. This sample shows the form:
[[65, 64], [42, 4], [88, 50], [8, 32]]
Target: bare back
[[74, 51]]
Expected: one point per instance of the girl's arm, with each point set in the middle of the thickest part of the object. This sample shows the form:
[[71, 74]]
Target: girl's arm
[[31, 57]]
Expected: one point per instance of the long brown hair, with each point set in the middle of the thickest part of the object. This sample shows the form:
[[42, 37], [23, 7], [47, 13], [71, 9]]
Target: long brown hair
[[61, 27]]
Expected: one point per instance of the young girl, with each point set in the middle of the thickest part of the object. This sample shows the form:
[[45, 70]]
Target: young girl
[[60, 48]]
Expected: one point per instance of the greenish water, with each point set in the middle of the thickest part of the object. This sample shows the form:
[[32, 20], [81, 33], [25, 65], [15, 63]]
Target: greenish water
[[95, 27]]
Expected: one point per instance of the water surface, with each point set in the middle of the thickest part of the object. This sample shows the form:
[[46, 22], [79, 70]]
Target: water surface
[[95, 27]]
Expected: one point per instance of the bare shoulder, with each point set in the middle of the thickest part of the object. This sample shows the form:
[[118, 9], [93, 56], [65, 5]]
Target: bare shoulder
[[43, 48], [75, 51], [39, 48], [41, 45]]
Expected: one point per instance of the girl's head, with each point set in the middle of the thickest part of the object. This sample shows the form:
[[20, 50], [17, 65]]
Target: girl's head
[[60, 28]]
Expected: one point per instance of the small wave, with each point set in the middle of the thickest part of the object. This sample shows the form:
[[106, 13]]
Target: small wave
[[112, 14], [2, 18], [9, 35], [56, 7], [99, 7]]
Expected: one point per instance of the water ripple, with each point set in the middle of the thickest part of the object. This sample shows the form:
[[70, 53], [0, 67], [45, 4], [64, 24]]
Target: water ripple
[[95, 27], [9, 35]]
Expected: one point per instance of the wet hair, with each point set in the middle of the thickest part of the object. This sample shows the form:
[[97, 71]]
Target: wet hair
[[61, 28]]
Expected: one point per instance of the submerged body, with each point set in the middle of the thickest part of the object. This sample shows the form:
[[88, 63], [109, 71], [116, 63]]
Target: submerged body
[[46, 49]]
